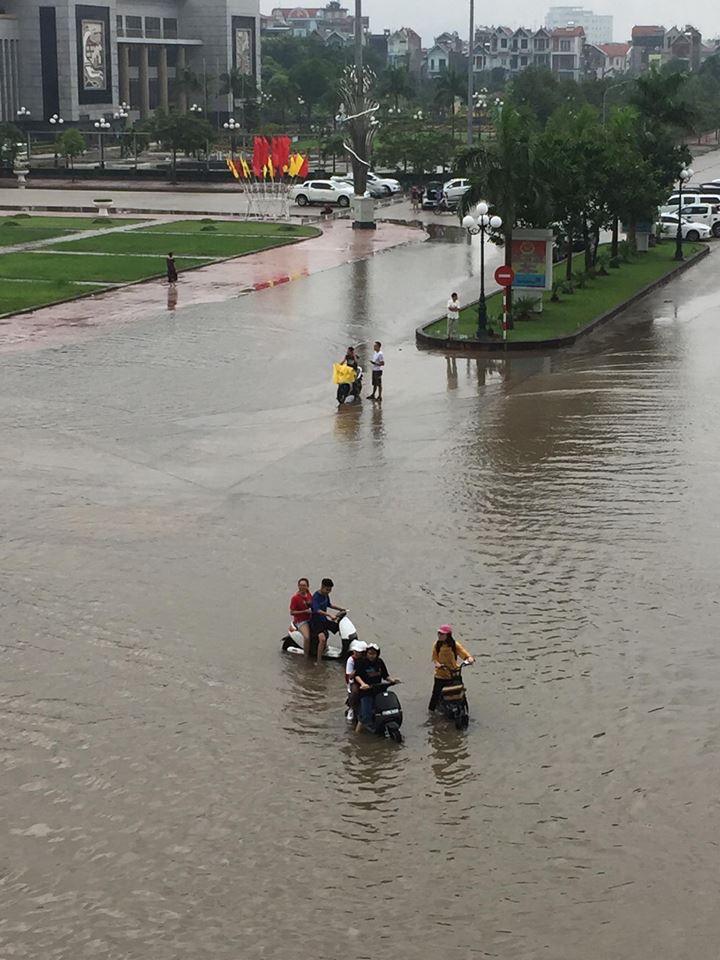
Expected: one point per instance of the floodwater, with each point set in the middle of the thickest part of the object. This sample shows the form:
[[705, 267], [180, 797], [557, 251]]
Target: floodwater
[[174, 788]]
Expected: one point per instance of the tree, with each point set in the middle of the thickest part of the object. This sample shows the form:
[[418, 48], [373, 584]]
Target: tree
[[504, 172], [10, 137], [536, 90], [70, 144], [282, 91], [311, 78], [186, 82], [395, 83], [181, 131], [450, 86]]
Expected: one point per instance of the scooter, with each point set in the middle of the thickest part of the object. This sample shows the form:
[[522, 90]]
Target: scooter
[[445, 205], [453, 699], [387, 712], [354, 389], [293, 641]]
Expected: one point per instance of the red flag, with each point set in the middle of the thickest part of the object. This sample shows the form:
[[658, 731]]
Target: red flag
[[283, 154], [259, 158], [305, 168]]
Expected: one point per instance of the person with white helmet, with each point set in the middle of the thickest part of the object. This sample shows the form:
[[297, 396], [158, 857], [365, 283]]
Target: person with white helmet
[[357, 652]]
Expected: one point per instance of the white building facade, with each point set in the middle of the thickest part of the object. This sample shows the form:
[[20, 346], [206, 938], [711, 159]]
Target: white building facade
[[598, 27]]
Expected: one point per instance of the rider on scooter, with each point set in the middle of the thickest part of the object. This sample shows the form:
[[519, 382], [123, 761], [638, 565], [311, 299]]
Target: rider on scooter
[[445, 653], [321, 621], [369, 673]]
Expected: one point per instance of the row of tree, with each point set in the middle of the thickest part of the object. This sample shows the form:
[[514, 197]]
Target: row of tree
[[578, 168]]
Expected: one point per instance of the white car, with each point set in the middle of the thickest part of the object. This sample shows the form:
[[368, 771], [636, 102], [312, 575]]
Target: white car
[[386, 185], [706, 213], [373, 189], [692, 195], [455, 189], [690, 231], [322, 191]]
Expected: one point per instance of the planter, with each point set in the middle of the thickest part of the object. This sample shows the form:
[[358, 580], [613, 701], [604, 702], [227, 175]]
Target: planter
[[103, 207], [21, 175]]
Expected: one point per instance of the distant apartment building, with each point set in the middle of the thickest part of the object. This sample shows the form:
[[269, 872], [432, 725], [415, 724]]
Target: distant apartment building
[[566, 53], [404, 49], [652, 45], [598, 27], [449, 52], [606, 59], [331, 22]]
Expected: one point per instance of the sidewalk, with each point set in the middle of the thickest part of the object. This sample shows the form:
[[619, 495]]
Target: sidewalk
[[66, 322]]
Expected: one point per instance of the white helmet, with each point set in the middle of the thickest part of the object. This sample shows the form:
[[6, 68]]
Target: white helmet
[[358, 646]]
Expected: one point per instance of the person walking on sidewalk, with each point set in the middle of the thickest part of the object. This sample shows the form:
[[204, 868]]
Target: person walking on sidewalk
[[453, 315], [378, 362]]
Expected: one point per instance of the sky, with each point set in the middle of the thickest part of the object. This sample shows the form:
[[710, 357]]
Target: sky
[[429, 18]]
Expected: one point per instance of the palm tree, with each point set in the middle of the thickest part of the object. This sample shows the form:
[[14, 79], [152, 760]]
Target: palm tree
[[503, 172], [186, 82], [449, 86]]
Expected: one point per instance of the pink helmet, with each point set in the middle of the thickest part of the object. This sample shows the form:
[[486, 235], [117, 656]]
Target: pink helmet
[[445, 628]]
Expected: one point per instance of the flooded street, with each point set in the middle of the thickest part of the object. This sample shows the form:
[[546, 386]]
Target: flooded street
[[175, 788]]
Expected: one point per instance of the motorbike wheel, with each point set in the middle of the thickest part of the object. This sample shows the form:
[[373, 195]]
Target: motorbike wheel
[[394, 733]]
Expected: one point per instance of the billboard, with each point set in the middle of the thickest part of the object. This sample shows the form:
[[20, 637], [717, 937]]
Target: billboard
[[532, 259], [93, 54]]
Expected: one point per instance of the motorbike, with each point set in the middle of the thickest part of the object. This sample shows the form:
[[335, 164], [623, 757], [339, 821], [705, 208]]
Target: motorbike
[[354, 390], [453, 699], [445, 205], [387, 712], [293, 641]]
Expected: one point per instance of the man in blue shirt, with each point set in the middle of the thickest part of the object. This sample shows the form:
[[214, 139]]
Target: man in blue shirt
[[321, 621]]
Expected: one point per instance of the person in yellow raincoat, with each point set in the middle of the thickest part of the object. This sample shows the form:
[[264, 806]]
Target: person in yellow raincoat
[[445, 654]]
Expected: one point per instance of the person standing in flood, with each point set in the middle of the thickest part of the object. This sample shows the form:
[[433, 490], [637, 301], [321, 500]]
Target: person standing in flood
[[171, 269]]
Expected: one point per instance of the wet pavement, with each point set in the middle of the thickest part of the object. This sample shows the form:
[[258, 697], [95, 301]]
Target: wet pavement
[[174, 787]]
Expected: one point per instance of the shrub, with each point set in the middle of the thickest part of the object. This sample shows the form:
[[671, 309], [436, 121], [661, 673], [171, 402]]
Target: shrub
[[602, 263], [523, 308], [624, 251], [556, 290]]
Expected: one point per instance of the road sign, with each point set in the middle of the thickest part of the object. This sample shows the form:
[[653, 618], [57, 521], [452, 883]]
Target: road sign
[[504, 276]]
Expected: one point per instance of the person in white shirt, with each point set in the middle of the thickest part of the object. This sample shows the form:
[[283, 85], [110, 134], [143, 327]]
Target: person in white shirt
[[453, 315], [378, 362], [357, 652]]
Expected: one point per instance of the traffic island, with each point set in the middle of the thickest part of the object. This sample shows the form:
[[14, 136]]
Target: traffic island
[[565, 316]]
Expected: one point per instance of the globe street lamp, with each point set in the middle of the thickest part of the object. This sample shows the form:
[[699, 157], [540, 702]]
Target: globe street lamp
[[55, 119], [481, 224], [196, 108], [100, 125], [232, 125], [683, 178]]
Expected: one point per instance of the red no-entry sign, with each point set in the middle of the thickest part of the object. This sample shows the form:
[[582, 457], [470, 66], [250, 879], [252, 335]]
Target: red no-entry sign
[[504, 276]]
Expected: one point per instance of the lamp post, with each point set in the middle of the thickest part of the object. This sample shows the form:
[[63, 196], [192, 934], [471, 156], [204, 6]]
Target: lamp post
[[481, 224], [470, 77], [23, 115], [56, 121], [612, 86], [100, 125], [683, 178], [232, 125], [196, 108]]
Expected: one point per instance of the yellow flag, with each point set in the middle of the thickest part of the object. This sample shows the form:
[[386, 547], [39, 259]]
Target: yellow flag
[[342, 373]]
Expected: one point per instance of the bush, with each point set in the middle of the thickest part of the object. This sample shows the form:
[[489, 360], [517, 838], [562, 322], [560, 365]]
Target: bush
[[602, 263], [556, 290], [523, 308], [624, 251]]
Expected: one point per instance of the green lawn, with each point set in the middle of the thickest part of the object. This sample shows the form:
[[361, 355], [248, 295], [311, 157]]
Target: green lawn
[[575, 310], [199, 245], [16, 295], [71, 267], [100, 269], [237, 228], [21, 228]]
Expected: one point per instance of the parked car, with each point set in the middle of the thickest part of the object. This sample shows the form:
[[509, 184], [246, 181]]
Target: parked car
[[668, 224], [321, 191], [694, 196], [388, 185], [431, 195], [706, 213], [455, 189], [374, 189]]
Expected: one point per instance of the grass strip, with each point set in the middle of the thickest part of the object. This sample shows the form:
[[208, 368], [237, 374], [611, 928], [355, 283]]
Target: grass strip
[[32, 265], [573, 311], [199, 245], [16, 296]]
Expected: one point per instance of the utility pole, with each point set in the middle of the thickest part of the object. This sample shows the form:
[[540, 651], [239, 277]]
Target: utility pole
[[358, 46], [470, 90]]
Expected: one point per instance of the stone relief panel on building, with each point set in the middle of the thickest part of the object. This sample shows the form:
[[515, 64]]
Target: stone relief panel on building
[[94, 75], [93, 54]]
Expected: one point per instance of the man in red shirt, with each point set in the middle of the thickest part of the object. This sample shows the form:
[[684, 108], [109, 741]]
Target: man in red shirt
[[300, 611]]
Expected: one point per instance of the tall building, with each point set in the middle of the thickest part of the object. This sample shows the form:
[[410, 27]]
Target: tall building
[[598, 27], [81, 60]]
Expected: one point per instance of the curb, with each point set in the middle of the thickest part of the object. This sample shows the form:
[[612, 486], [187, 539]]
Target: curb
[[428, 342]]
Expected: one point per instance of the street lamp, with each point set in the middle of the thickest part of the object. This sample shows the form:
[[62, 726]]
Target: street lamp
[[196, 108], [23, 113], [481, 223], [683, 177], [232, 125], [100, 125], [418, 115], [55, 119]]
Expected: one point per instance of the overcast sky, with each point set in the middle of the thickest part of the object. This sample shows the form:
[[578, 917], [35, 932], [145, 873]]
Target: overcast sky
[[429, 18]]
